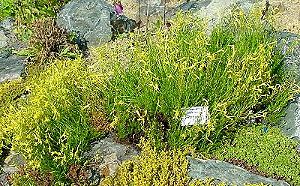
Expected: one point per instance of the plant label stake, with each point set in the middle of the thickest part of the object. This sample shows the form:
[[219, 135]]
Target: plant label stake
[[195, 115]]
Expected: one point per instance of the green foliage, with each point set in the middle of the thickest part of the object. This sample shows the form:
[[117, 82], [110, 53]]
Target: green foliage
[[235, 71], [23, 180], [29, 177], [26, 11], [153, 168], [9, 91], [164, 168], [267, 149], [142, 84], [51, 127]]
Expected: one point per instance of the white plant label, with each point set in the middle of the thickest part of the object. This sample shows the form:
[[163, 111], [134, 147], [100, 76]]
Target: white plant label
[[195, 115]]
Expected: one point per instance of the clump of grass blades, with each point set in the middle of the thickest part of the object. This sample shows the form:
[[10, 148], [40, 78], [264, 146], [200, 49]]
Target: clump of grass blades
[[235, 71], [51, 127]]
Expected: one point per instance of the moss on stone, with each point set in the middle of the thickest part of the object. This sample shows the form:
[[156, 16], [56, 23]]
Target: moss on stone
[[266, 148]]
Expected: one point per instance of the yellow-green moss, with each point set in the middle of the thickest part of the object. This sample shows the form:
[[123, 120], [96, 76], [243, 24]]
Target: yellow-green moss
[[158, 168], [266, 148]]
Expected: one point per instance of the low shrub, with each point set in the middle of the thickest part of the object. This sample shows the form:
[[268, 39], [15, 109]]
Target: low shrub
[[153, 168], [51, 127], [49, 42], [23, 180], [235, 71], [266, 148]]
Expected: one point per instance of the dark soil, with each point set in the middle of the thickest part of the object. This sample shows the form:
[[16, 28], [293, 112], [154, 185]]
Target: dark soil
[[253, 169]]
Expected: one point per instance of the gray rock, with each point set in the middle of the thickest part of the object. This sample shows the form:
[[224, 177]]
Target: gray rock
[[104, 158], [212, 10], [105, 148], [151, 8], [226, 172], [152, 2], [289, 45], [89, 18], [14, 160], [7, 24], [298, 148], [5, 53], [3, 39], [11, 164], [192, 6], [7, 171], [11, 68], [4, 180], [291, 121]]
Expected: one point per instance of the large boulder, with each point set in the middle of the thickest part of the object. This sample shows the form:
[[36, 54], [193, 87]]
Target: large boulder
[[225, 172], [214, 9], [289, 44], [211, 10], [5, 25], [11, 66], [291, 121], [102, 160], [89, 18]]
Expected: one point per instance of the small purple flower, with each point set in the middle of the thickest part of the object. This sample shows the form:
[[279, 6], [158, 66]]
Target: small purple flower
[[118, 8]]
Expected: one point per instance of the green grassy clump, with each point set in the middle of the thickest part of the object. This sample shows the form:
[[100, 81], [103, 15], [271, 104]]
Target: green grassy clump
[[51, 127], [268, 150], [235, 71]]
